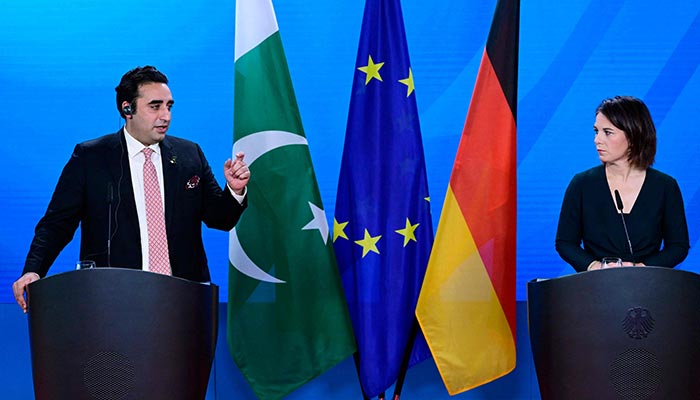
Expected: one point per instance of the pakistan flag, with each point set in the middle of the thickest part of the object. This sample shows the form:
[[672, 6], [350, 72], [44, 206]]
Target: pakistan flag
[[287, 317]]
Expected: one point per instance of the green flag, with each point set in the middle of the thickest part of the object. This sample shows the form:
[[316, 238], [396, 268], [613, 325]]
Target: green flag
[[287, 317]]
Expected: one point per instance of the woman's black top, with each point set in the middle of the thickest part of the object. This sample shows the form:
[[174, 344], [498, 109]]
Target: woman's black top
[[590, 217]]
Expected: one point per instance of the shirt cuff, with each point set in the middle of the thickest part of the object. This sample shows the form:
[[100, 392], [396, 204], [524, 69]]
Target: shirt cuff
[[239, 197]]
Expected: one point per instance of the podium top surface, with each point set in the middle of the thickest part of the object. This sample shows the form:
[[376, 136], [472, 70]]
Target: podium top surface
[[114, 275], [618, 273]]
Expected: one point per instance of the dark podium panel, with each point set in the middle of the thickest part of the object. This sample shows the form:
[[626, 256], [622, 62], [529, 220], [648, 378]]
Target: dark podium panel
[[619, 333], [121, 334]]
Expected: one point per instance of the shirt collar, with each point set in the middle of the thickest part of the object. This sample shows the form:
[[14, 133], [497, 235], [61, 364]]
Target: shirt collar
[[135, 147]]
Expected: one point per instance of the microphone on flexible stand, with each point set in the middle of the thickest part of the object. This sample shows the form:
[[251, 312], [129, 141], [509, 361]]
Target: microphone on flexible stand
[[110, 199], [618, 200]]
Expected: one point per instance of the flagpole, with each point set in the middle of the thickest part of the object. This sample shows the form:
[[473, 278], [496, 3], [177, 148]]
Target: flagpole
[[406, 358], [356, 358]]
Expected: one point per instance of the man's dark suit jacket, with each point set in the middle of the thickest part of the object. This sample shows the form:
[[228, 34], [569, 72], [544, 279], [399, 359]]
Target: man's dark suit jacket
[[98, 174]]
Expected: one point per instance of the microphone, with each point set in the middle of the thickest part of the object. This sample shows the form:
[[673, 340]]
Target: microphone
[[618, 200], [110, 193], [110, 199]]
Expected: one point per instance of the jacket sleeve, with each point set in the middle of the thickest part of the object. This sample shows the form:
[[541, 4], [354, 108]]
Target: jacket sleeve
[[58, 225], [570, 228], [674, 230]]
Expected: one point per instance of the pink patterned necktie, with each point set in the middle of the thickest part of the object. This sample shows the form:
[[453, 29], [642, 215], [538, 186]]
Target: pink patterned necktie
[[158, 257]]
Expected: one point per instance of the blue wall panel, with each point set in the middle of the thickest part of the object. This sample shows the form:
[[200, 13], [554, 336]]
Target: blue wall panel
[[59, 65], [60, 61]]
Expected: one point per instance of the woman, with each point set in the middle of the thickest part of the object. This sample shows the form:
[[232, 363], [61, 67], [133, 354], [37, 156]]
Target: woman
[[651, 201]]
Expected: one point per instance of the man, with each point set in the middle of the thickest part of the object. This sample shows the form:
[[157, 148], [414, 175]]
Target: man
[[140, 197]]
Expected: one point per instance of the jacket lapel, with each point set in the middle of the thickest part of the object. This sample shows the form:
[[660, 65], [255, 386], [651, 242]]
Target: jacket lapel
[[120, 174], [170, 181]]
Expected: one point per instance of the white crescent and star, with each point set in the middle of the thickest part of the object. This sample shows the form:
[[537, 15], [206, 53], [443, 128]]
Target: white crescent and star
[[318, 222], [254, 146]]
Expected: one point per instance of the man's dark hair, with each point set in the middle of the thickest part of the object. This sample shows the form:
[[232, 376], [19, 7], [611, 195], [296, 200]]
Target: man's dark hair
[[128, 88], [632, 116]]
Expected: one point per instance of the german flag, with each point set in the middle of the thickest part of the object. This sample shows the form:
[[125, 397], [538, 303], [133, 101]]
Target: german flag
[[466, 306]]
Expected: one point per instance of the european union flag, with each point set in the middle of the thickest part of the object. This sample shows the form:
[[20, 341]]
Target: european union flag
[[382, 232]]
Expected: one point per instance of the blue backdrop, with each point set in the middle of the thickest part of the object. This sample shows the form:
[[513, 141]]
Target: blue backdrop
[[60, 62]]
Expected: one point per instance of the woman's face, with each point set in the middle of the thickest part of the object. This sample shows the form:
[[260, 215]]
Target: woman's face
[[610, 142]]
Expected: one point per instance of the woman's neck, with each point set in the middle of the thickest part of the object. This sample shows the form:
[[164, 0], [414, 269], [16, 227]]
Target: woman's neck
[[622, 171]]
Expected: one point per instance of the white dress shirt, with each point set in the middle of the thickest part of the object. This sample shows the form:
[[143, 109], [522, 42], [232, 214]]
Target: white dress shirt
[[136, 160]]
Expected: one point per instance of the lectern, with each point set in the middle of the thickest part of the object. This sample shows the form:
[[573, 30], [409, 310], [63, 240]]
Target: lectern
[[619, 333], [121, 334]]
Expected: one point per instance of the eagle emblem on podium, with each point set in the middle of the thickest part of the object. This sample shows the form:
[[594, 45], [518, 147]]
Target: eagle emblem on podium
[[638, 323]]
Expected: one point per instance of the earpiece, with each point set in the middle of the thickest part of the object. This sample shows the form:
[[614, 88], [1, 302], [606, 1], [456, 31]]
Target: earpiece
[[127, 110]]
